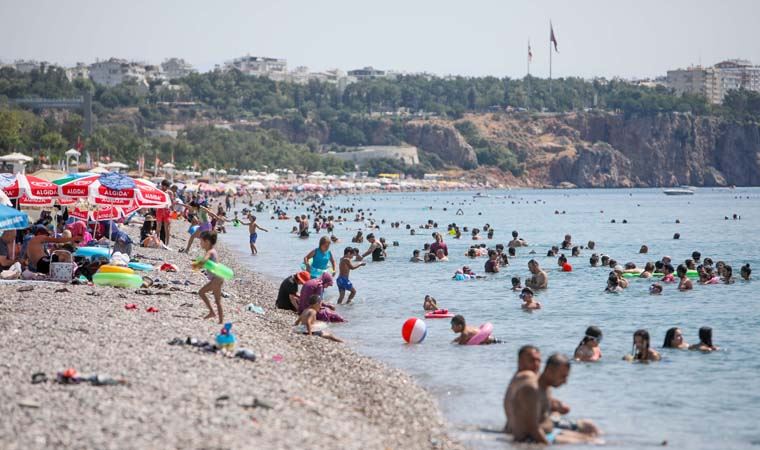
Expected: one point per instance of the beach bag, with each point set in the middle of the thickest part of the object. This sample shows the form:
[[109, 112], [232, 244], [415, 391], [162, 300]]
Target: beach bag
[[62, 271]]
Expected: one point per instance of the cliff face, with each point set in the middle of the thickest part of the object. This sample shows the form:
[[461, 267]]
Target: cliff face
[[676, 149], [442, 139], [610, 150]]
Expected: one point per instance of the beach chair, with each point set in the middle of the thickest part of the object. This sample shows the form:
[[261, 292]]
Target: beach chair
[[64, 269]]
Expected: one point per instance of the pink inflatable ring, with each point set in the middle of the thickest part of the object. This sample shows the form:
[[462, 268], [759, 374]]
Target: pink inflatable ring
[[483, 334]]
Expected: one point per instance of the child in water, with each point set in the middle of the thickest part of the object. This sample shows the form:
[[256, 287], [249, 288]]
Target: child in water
[[253, 235], [429, 304], [527, 297], [588, 350], [308, 318], [516, 286], [345, 267], [458, 325], [214, 285]]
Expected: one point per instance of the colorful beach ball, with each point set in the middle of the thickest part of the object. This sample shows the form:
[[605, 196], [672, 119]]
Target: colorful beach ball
[[414, 330]]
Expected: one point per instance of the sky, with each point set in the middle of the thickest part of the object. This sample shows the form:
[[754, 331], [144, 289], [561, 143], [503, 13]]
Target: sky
[[630, 39]]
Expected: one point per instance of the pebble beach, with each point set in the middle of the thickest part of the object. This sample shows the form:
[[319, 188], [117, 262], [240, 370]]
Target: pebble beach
[[300, 392]]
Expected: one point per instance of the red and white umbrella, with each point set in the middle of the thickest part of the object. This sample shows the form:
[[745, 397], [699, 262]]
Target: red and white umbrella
[[30, 186], [140, 192], [103, 212]]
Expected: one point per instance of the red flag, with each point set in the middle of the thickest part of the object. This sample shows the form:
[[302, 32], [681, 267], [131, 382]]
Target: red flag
[[552, 38], [80, 144]]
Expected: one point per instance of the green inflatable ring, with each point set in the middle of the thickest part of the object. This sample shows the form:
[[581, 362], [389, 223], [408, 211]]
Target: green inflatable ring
[[689, 273], [125, 280], [219, 270]]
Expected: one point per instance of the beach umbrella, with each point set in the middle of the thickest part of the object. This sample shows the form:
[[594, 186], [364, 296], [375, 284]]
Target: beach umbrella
[[12, 219], [114, 189], [20, 185], [103, 212]]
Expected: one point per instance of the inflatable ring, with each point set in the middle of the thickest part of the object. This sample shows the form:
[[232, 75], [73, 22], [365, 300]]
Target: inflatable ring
[[483, 334], [218, 270], [140, 266], [631, 275], [439, 314], [193, 229], [115, 269], [89, 252], [124, 280], [689, 273]]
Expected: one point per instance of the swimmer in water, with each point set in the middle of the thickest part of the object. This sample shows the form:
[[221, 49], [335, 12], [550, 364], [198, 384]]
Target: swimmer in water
[[594, 260], [746, 272], [705, 341], [345, 267], [517, 241], [527, 297], [728, 277], [655, 289], [458, 325], [430, 304], [492, 265], [567, 244], [674, 339], [613, 284], [668, 277], [516, 285], [416, 256], [588, 350], [684, 283], [641, 351], [539, 279], [648, 269]]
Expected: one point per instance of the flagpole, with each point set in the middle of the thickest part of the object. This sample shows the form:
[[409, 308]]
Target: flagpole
[[550, 59], [527, 79]]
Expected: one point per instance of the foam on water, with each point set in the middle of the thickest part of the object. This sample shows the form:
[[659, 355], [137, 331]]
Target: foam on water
[[689, 399]]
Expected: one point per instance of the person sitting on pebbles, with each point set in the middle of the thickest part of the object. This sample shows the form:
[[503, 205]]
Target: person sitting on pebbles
[[308, 318]]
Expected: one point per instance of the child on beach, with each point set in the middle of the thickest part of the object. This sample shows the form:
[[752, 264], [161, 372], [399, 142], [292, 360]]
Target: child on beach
[[204, 224], [458, 325], [345, 267], [214, 285], [308, 318], [252, 227]]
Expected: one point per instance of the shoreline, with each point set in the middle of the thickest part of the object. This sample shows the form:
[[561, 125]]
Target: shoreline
[[321, 394]]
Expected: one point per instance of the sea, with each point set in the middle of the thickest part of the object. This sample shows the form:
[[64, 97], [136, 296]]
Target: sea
[[688, 400]]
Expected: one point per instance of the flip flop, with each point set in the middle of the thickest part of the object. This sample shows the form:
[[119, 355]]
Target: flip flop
[[130, 306], [176, 341], [151, 309], [39, 377]]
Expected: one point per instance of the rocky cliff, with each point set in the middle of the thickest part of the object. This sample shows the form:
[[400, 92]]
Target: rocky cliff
[[443, 140], [610, 150]]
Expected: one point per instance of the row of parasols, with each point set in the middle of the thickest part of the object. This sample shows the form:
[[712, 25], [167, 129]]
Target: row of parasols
[[108, 196]]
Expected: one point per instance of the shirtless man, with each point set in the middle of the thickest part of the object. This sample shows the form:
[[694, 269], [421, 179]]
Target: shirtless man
[[539, 280], [530, 405], [345, 267], [38, 259], [528, 364], [517, 241]]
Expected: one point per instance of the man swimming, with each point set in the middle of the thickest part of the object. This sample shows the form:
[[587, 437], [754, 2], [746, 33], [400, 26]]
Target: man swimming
[[458, 325]]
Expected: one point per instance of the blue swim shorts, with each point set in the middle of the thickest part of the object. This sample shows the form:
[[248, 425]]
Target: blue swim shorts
[[254, 236], [344, 284]]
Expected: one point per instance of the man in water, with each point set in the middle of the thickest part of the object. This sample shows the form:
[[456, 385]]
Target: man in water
[[528, 365], [458, 325], [375, 249], [539, 279], [530, 405], [517, 241]]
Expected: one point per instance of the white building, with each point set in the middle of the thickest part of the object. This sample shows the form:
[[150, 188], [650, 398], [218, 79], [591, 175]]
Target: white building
[[715, 82], [174, 68], [114, 71], [26, 66], [274, 68], [367, 73], [81, 70], [405, 153]]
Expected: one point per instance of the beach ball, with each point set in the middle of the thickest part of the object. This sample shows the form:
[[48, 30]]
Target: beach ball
[[414, 330]]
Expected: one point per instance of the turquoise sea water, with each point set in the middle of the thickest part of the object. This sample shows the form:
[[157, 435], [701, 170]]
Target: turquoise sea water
[[691, 400]]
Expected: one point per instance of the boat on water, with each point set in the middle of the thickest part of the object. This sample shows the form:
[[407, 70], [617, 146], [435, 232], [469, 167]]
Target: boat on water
[[683, 190]]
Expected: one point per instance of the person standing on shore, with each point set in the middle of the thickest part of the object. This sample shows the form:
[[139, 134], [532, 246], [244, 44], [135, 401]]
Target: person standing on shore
[[316, 260], [308, 318], [214, 285], [164, 215], [253, 236]]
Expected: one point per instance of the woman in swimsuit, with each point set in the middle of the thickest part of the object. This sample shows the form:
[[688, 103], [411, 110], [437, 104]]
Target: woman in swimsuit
[[319, 257], [674, 339], [588, 349], [641, 350]]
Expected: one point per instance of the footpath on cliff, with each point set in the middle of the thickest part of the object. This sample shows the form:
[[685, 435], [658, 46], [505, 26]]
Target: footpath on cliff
[[300, 392]]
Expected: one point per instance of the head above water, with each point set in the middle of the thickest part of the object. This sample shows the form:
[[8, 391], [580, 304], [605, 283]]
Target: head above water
[[556, 370], [529, 358], [673, 338], [458, 323], [705, 336]]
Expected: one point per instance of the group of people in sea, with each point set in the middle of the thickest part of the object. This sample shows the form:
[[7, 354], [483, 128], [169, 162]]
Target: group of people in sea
[[529, 406]]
